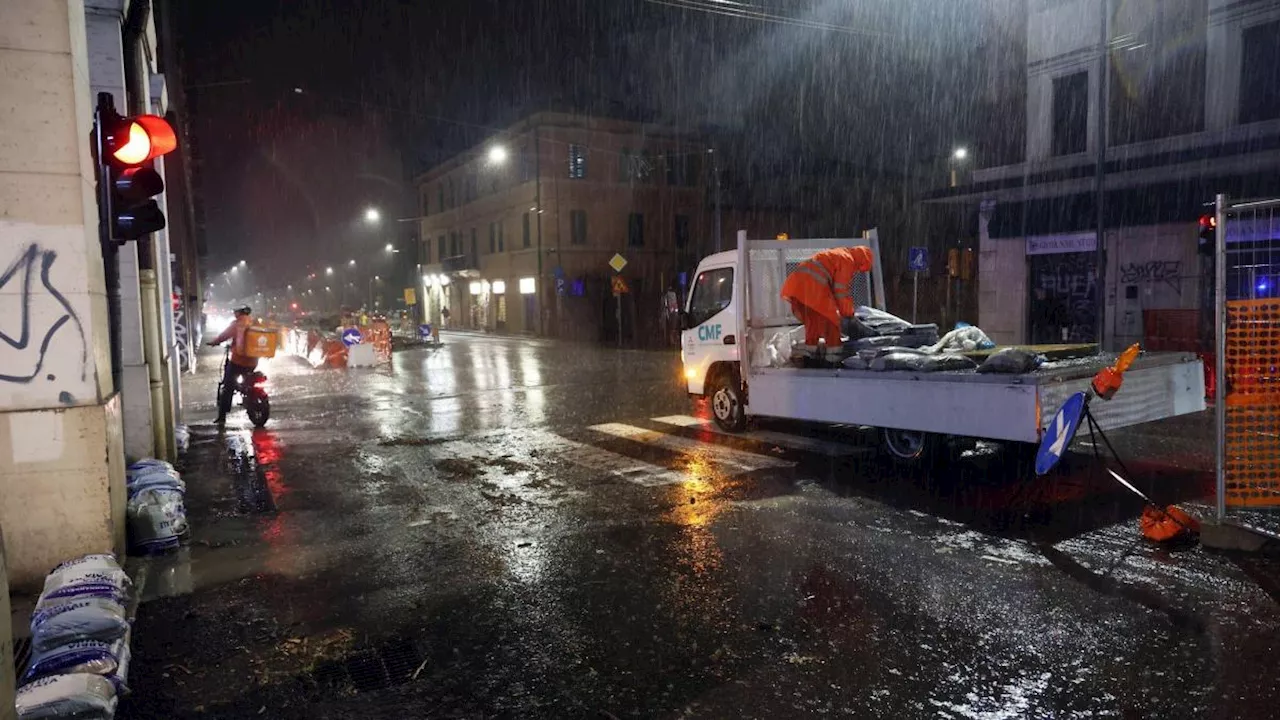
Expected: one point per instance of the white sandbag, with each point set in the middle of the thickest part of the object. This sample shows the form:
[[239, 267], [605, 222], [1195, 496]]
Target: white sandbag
[[65, 621], [962, 339], [88, 576], [781, 345], [156, 519], [82, 696], [110, 660], [880, 322]]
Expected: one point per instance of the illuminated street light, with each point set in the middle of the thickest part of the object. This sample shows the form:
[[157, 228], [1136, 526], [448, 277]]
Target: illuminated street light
[[351, 262], [497, 155], [328, 270], [960, 153], [391, 248], [372, 216]]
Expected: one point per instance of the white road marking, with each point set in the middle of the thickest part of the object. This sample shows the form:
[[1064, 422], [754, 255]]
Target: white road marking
[[795, 442], [720, 454]]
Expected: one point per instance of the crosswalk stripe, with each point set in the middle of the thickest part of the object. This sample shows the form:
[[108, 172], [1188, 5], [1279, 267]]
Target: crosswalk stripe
[[717, 453], [795, 442]]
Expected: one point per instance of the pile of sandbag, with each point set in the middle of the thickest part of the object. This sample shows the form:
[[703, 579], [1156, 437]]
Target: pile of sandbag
[[913, 359], [80, 642], [870, 328], [157, 509]]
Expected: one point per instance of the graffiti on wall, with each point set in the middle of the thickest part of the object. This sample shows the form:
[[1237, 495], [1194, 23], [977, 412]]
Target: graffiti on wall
[[182, 338], [1072, 280], [33, 313], [1155, 271]]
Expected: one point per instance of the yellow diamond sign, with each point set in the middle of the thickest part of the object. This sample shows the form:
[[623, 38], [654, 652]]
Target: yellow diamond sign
[[618, 262]]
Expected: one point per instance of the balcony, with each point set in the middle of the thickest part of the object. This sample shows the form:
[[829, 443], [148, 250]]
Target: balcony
[[461, 264]]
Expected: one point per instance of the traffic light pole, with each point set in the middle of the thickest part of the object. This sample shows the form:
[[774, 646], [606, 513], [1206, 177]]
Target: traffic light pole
[[110, 250]]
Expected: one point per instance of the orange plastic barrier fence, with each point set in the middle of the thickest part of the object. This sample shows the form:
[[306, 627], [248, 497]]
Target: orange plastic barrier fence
[[1253, 403]]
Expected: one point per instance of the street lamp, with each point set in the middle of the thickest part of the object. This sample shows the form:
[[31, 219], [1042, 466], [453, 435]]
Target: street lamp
[[372, 216], [328, 270], [391, 248], [242, 263], [352, 262], [497, 155], [958, 156]]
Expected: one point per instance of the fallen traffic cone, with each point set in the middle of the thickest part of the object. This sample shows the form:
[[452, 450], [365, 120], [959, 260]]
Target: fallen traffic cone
[[1171, 523]]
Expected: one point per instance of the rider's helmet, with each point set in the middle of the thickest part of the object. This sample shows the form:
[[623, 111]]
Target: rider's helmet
[[246, 310]]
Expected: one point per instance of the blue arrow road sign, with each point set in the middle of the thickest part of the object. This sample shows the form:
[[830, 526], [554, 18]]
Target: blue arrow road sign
[[1060, 433], [424, 332], [351, 336], [918, 259]]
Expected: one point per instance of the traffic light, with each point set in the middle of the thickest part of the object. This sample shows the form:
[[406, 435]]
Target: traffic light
[[126, 150], [1208, 240]]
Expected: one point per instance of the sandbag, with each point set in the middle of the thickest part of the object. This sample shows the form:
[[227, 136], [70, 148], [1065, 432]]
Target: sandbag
[[109, 660], [157, 517], [64, 621], [963, 339], [81, 695], [947, 362], [1015, 361], [880, 322], [853, 362], [1172, 523], [898, 361], [917, 361], [88, 576]]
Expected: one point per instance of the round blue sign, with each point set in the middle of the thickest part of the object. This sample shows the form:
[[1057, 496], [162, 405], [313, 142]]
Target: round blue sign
[[1061, 430], [352, 336], [424, 332]]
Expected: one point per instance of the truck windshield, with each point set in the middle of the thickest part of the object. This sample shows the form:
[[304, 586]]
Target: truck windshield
[[712, 292]]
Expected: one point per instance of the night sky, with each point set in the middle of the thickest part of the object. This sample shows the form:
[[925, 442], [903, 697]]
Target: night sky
[[304, 112]]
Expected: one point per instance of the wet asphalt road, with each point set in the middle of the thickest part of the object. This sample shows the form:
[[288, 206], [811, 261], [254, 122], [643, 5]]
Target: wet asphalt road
[[521, 529]]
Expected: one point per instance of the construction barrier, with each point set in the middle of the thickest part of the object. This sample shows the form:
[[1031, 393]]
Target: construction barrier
[[1253, 403]]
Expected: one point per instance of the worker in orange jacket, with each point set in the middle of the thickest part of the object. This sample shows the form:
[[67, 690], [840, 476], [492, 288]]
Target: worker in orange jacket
[[820, 291]]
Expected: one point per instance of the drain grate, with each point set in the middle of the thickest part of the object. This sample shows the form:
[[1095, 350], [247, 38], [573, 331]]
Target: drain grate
[[21, 655], [375, 668]]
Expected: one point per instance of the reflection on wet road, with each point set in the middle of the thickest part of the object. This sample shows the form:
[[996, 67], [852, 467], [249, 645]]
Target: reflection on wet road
[[508, 527]]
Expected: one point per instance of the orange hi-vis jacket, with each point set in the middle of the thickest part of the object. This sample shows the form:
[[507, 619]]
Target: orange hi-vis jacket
[[823, 284]]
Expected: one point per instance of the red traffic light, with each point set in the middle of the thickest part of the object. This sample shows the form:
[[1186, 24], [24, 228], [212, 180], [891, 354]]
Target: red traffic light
[[293, 306], [143, 138]]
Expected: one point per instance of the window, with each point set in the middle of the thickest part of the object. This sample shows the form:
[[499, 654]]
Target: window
[[475, 249], [1157, 68], [712, 292], [682, 232], [471, 187], [440, 196], [1260, 56], [426, 203], [577, 162], [578, 227], [624, 165], [440, 248], [454, 248], [1070, 113], [635, 230], [426, 251], [500, 239], [524, 230], [451, 196], [526, 164], [683, 169], [493, 238]]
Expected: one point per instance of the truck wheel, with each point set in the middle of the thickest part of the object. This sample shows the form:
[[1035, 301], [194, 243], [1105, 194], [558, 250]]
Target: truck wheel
[[726, 403], [913, 447]]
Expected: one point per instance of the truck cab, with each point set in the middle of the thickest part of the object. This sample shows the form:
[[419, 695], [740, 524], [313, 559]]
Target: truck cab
[[709, 343]]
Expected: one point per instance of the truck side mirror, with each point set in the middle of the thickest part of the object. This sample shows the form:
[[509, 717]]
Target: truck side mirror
[[684, 320]]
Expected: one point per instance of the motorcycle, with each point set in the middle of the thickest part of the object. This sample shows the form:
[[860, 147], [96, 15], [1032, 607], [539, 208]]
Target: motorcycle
[[252, 391]]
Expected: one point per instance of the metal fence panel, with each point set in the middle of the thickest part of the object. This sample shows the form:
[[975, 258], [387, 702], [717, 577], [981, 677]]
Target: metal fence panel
[[1247, 291]]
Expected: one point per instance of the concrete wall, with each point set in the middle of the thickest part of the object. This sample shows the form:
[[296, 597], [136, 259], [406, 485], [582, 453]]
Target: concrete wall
[[61, 455]]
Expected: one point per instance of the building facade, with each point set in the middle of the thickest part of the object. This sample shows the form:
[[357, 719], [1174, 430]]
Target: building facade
[[517, 235], [1183, 102], [88, 377]]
